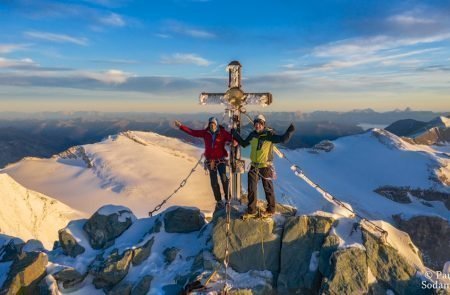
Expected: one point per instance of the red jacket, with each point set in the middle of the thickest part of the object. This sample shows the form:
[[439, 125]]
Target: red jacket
[[213, 150]]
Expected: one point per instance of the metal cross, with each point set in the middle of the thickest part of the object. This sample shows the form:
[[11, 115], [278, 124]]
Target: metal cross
[[235, 99]]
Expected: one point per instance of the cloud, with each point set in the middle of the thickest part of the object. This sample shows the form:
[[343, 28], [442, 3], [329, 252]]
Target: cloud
[[17, 63], [113, 19], [114, 61], [59, 38], [107, 77], [8, 48], [369, 45], [163, 36], [185, 58], [408, 20], [183, 29]]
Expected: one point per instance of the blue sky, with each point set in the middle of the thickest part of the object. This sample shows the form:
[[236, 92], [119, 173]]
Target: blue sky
[[125, 55]]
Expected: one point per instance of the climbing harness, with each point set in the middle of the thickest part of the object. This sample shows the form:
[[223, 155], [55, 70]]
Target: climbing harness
[[182, 184]]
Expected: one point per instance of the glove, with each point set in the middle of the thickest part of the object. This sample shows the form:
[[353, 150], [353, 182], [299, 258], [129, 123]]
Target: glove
[[177, 123], [291, 128]]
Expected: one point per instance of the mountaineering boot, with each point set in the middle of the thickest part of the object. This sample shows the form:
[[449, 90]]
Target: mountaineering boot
[[267, 214], [247, 216]]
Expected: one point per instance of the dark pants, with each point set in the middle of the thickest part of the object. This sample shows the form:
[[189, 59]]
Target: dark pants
[[266, 179], [222, 169]]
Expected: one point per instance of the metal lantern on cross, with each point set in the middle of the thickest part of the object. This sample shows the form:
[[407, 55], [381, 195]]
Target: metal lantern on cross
[[234, 100]]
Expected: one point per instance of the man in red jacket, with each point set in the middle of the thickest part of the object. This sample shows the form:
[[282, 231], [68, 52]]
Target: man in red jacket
[[215, 138]]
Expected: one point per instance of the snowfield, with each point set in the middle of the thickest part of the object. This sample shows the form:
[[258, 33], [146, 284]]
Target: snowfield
[[28, 214], [139, 169]]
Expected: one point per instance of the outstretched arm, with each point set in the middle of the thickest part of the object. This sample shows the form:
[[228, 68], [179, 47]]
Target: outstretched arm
[[242, 142], [275, 138], [195, 133]]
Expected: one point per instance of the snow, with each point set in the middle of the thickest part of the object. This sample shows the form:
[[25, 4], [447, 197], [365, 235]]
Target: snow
[[348, 231], [446, 268], [314, 261], [4, 269], [125, 172], [138, 170], [31, 215], [123, 212]]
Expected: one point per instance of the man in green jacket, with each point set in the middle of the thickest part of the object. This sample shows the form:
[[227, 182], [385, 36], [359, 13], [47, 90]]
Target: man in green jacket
[[261, 140]]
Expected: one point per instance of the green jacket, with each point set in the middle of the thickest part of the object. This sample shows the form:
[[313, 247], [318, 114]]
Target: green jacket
[[261, 153]]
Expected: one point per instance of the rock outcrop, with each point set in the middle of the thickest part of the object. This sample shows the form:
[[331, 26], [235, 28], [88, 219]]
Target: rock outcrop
[[106, 224], [183, 220], [25, 273], [431, 234]]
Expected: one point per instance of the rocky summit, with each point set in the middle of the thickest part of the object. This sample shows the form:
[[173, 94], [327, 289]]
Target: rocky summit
[[180, 251]]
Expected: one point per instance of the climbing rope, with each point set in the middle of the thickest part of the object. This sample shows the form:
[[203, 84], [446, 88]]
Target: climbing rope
[[299, 172], [182, 184], [226, 258]]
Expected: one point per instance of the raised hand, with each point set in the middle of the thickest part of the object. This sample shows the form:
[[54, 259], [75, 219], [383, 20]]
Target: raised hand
[[177, 123]]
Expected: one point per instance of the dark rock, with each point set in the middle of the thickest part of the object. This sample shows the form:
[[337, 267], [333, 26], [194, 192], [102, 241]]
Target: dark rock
[[110, 272], [48, 286], [170, 254], [68, 242], [124, 288], [183, 220], [11, 250], [106, 224], [156, 228], [172, 289], [253, 244], [390, 268], [143, 286], [330, 245], [143, 252], [394, 194], [324, 145], [69, 278], [348, 273], [27, 270], [303, 237], [431, 234], [400, 194]]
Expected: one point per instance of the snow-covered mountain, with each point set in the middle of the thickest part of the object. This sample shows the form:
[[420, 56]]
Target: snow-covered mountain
[[382, 176], [27, 214], [396, 184], [436, 131], [135, 169]]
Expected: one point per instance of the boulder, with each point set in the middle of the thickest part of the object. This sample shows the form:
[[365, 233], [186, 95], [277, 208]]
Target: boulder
[[143, 252], [348, 273], [253, 244], [302, 241], [390, 268], [183, 220], [142, 286], [33, 245], [106, 224], [11, 250], [25, 273], [111, 271], [48, 286], [69, 279], [69, 243]]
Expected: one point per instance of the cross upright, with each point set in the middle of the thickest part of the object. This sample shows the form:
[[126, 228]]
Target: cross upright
[[234, 100]]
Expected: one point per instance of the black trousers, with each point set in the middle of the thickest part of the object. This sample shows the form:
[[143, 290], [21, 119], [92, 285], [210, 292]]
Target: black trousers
[[222, 169], [253, 177]]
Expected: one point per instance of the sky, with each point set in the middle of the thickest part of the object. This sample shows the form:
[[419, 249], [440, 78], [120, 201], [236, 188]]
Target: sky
[[157, 56]]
